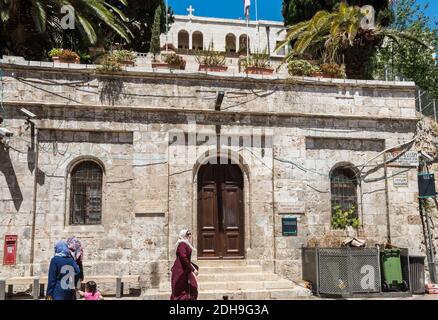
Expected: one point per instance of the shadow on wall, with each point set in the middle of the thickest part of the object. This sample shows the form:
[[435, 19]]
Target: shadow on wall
[[155, 274], [111, 91], [11, 178]]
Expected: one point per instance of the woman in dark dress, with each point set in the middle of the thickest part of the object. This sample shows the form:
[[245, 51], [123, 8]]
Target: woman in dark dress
[[63, 274], [184, 272]]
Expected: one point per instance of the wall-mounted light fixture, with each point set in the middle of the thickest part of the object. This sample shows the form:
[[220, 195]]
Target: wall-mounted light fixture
[[219, 100]]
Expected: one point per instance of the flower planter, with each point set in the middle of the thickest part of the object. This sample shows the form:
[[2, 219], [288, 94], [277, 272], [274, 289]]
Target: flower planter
[[204, 67], [257, 70], [127, 63], [163, 65], [323, 75], [62, 60]]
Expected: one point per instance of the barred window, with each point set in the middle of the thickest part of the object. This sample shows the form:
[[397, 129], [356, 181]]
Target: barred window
[[86, 194], [343, 185]]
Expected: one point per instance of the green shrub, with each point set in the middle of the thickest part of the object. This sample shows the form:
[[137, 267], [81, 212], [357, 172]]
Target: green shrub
[[109, 64], [55, 52], [174, 60], [256, 60], [333, 69], [341, 219], [300, 67], [123, 55], [210, 57]]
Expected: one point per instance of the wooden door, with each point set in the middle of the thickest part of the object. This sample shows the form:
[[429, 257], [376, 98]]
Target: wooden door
[[220, 211]]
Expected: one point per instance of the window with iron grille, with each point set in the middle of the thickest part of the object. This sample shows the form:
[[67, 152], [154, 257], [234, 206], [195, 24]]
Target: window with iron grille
[[343, 185], [86, 194]]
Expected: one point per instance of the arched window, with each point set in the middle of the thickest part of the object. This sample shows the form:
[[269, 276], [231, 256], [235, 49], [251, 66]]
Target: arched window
[[86, 194], [197, 41], [343, 185], [230, 43], [244, 42], [183, 39]]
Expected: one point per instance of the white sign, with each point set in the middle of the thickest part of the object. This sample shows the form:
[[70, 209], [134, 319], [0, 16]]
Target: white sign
[[408, 159], [401, 180], [291, 207]]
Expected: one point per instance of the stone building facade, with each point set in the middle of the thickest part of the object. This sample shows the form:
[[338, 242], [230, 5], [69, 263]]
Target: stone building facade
[[190, 32], [150, 134]]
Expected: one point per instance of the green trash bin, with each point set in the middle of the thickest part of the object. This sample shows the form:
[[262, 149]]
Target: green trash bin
[[392, 271]]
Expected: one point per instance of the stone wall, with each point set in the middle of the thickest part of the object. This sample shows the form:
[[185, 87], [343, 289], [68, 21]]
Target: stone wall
[[151, 131]]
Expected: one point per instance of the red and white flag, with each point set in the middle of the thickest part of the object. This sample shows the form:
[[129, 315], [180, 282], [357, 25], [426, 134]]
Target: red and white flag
[[247, 5]]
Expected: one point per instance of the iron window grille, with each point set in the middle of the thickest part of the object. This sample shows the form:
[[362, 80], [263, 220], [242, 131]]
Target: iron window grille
[[343, 186], [86, 194]]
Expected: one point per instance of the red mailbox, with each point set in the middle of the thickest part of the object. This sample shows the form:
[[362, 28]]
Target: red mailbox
[[10, 252]]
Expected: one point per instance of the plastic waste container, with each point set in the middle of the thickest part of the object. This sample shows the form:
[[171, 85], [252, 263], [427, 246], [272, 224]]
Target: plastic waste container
[[416, 270], [392, 271]]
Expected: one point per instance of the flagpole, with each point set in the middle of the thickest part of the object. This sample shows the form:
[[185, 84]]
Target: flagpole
[[247, 39], [167, 25]]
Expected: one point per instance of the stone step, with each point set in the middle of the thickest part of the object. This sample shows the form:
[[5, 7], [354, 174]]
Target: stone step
[[219, 263], [245, 285], [238, 277], [230, 269], [294, 293]]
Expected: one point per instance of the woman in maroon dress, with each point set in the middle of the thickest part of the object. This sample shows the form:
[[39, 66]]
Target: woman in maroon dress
[[184, 272]]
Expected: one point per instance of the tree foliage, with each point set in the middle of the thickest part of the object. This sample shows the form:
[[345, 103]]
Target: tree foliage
[[295, 11], [405, 59], [155, 41], [339, 37]]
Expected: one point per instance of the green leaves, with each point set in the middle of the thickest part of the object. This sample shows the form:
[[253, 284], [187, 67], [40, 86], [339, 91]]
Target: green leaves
[[341, 219]]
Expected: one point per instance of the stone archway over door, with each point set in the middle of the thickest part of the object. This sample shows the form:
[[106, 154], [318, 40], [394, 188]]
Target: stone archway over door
[[220, 211]]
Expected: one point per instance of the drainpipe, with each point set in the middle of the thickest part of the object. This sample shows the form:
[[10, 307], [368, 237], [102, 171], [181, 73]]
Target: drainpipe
[[388, 221], [35, 147], [273, 209]]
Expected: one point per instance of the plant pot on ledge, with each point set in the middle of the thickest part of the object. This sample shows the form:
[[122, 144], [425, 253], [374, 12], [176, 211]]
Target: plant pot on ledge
[[323, 75], [62, 60], [258, 70], [127, 63], [205, 67], [164, 65]]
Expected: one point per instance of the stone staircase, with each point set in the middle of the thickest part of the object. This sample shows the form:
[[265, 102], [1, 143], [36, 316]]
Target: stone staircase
[[236, 280]]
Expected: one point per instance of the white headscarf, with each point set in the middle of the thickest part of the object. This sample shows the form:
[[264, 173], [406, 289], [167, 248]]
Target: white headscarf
[[182, 237]]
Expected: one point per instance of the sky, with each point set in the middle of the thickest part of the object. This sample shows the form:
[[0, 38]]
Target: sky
[[233, 9]]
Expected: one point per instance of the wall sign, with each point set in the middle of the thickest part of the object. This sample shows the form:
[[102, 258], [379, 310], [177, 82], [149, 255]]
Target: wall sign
[[426, 185], [408, 159], [289, 226], [401, 180], [291, 207]]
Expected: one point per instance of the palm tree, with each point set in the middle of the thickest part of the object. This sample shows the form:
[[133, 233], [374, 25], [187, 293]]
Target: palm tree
[[338, 37], [28, 25]]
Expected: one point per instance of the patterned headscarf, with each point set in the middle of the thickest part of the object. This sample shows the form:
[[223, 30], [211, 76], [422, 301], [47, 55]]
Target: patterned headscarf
[[75, 247], [61, 249]]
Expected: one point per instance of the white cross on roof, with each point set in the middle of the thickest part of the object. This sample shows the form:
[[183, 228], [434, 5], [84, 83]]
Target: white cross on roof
[[190, 10]]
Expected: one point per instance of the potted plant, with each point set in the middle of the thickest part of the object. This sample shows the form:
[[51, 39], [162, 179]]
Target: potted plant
[[172, 61], [331, 70], [64, 56], [257, 63], [124, 57], [302, 68], [211, 60], [109, 64]]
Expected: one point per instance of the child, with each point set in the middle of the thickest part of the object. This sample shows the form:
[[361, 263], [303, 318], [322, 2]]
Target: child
[[91, 292]]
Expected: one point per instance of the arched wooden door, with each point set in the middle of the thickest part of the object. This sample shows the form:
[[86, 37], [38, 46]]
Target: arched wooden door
[[220, 211]]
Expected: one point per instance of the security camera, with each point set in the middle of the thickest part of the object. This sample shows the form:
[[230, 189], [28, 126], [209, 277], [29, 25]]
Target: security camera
[[427, 156], [5, 133], [27, 113]]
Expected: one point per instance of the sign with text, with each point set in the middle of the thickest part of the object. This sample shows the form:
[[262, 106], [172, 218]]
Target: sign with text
[[289, 226], [401, 180], [291, 207], [407, 159]]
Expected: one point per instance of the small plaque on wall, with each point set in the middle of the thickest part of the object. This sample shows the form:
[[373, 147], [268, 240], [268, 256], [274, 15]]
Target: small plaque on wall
[[291, 208], [401, 180], [289, 226]]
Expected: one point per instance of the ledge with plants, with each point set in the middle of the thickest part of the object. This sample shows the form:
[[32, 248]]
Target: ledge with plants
[[124, 57], [170, 61], [64, 56], [257, 63], [211, 60]]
